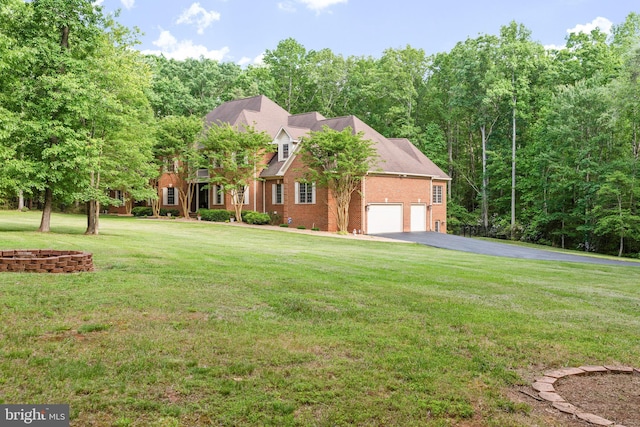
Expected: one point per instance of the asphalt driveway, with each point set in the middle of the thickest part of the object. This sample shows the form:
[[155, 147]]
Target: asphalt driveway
[[478, 246]]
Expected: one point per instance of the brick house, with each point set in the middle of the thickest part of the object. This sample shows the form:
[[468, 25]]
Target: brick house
[[403, 191]]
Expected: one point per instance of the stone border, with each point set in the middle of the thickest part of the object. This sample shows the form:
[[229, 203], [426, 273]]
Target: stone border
[[45, 261], [546, 391]]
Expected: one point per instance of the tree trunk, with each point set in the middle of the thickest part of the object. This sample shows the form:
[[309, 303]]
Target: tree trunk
[[485, 180], [93, 217], [238, 200], [513, 171], [621, 250], [186, 197], [621, 244], [20, 200], [45, 222], [342, 205]]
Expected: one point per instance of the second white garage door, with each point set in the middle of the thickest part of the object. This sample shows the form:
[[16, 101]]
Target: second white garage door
[[418, 217], [384, 218]]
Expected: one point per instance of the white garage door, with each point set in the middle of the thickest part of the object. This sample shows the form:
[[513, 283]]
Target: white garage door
[[418, 217], [384, 219]]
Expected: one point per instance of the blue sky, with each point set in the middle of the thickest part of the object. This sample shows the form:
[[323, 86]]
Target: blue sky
[[241, 30]]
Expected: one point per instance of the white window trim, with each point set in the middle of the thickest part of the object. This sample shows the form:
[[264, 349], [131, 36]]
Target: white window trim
[[274, 194], [281, 153], [313, 194], [165, 196], [218, 195], [437, 194]]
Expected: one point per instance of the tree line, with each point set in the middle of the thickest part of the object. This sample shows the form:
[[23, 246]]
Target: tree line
[[542, 144]]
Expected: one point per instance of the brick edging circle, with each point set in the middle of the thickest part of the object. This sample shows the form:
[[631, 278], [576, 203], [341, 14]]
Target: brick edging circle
[[546, 391], [45, 261]]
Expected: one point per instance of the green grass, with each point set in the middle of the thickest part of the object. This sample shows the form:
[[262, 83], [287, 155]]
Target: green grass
[[195, 324]]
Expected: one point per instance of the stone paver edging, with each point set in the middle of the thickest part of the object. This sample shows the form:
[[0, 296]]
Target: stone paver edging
[[546, 390], [45, 261]]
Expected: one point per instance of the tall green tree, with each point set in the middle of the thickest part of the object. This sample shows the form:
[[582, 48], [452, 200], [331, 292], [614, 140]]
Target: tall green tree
[[52, 95], [327, 74], [518, 57], [288, 65], [585, 56], [615, 209], [119, 123], [579, 143], [338, 160], [10, 59], [193, 86], [479, 104]]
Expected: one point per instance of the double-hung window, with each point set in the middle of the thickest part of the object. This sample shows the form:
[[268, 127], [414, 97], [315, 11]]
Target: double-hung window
[[169, 196], [437, 194], [218, 195], [277, 194], [305, 193]]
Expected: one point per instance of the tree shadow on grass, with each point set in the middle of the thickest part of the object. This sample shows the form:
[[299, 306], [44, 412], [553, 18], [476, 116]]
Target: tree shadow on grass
[[29, 228]]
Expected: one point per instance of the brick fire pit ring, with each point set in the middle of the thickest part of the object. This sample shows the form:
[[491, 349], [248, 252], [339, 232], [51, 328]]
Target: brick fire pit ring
[[45, 261]]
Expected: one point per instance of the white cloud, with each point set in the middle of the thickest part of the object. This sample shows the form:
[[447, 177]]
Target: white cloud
[[198, 15], [315, 5], [128, 4], [554, 47], [258, 60], [287, 6], [98, 2], [319, 5], [602, 23], [171, 48]]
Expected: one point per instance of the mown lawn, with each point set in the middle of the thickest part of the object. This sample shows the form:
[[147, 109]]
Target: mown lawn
[[195, 324]]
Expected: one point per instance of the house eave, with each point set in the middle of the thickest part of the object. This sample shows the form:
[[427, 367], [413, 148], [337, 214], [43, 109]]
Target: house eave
[[408, 175]]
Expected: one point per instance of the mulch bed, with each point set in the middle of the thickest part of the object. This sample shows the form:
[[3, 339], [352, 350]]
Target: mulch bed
[[615, 397]]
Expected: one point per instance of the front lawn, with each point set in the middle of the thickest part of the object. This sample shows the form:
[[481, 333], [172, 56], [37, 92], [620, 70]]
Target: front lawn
[[196, 324]]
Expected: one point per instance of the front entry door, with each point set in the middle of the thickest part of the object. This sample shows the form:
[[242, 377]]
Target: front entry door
[[203, 195]]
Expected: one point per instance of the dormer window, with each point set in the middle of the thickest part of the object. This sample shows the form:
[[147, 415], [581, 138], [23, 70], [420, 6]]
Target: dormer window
[[285, 145]]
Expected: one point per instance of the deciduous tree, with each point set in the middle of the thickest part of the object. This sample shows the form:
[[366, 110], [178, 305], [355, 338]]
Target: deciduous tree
[[338, 160], [177, 144], [53, 97], [235, 157]]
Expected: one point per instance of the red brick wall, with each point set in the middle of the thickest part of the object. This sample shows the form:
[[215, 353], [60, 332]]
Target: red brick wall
[[269, 206], [169, 180], [307, 215], [439, 211], [408, 191], [356, 212]]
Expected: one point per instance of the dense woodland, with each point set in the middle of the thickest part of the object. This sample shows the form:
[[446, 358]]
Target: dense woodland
[[542, 145]]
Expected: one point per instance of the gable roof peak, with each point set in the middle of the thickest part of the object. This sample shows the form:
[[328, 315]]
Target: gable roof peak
[[258, 111]]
